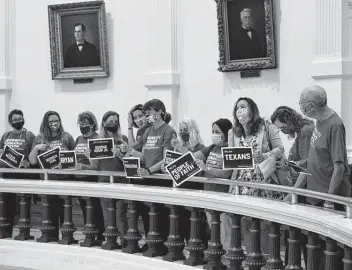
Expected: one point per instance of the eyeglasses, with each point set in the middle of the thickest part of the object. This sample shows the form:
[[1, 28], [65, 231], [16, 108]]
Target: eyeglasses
[[305, 102]]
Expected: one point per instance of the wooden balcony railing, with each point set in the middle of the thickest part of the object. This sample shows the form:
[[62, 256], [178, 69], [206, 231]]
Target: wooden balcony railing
[[334, 227]]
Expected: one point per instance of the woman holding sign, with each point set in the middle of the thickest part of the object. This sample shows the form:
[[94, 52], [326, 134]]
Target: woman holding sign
[[51, 139], [110, 128]]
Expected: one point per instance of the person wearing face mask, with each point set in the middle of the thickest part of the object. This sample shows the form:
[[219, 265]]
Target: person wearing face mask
[[88, 126], [110, 128], [20, 140], [52, 135]]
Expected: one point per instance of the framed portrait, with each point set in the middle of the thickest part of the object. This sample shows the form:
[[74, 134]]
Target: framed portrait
[[78, 40], [246, 35]]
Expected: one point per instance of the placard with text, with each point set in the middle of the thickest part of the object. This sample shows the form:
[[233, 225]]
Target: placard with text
[[131, 166], [182, 169], [50, 159], [101, 148], [68, 159], [171, 156], [11, 157], [235, 158]]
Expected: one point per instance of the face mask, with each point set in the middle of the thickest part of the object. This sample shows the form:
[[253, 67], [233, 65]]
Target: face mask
[[305, 111], [54, 127], [152, 118], [141, 122], [216, 138], [18, 125], [85, 130], [243, 116], [112, 127], [185, 136]]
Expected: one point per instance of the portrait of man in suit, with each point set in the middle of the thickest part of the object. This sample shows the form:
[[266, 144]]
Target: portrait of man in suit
[[246, 42], [81, 53]]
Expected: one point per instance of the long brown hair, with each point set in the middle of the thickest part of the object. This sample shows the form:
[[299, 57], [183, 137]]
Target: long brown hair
[[45, 130]]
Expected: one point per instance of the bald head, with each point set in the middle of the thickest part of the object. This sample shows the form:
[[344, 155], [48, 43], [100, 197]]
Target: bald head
[[316, 94]]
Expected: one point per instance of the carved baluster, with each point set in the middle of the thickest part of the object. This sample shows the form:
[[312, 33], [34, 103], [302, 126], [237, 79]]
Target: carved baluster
[[294, 253], [24, 222], [174, 242], [274, 261], [4, 223], [68, 227], [255, 258], [235, 253], [132, 236], [154, 240], [90, 230], [347, 260], [332, 255], [111, 233], [215, 250], [313, 251], [49, 233], [195, 245]]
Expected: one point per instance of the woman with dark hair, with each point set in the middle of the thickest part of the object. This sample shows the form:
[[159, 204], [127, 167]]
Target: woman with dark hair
[[137, 119], [110, 128], [52, 135], [88, 126], [300, 129]]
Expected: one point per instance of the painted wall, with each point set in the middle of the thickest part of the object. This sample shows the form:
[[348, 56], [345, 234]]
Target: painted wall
[[205, 94]]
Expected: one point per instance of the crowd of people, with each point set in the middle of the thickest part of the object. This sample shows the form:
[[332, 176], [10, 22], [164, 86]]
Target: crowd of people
[[319, 146]]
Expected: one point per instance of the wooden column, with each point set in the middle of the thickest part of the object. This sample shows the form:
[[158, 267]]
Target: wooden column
[[294, 252], [154, 240], [90, 230], [174, 242], [24, 222], [274, 261], [313, 248], [195, 245], [68, 227], [235, 253], [132, 236], [332, 255], [347, 260], [255, 258], [4, 223], [111, 233], [47, 228]]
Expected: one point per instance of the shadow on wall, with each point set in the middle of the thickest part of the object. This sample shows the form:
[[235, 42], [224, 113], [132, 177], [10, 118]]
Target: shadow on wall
[[99, 84], [269, 78]]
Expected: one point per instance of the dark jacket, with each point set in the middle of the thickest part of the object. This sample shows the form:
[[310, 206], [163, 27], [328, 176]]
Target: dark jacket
[[87, 57]]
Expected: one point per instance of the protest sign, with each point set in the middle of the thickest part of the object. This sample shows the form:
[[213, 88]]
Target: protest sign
[[50, 159], [237, 158], [182, 169], [67, 159], [11, 157], [131, 166], [171, 156], [101, 148]]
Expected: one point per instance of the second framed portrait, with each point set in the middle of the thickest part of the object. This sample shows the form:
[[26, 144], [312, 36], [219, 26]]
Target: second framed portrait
[[78, 40], [246, 35]]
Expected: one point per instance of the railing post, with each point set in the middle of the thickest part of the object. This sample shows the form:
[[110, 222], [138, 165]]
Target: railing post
[[111, 179], [215, 250], [313, 248], [347, 260], [4, 223], [47, 228], [195, 245], [154, 240], [111, 233], [349, 211], [24, 222], [294, 198], [274, 261], [90, 230], [255, 258], [68, 227], [132, 236], [235, 253], [331, 255], [294, 254], [174, 242]]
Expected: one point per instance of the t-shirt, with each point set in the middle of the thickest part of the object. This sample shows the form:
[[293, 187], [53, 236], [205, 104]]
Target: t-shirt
[[327, 146], [139, 137], [214, 160], [20, 141], [82, 146], [155, 141], [300, 147]]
